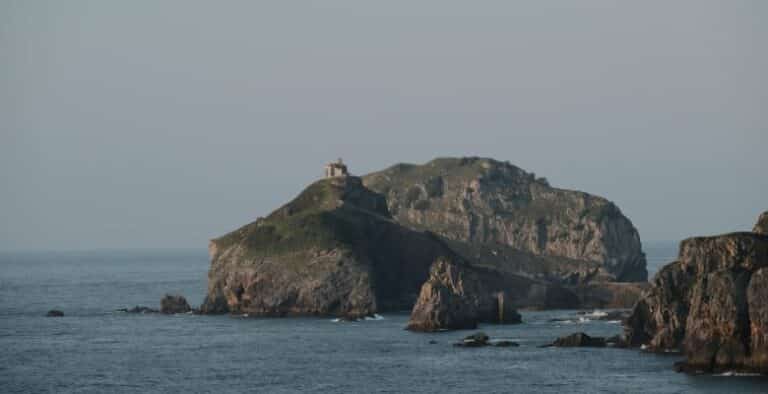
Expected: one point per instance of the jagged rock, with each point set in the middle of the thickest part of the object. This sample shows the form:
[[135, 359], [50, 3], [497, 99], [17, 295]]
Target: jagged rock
[[54, 313], [171, 304], [711, 303], [761, 227], [458, 296], [483, 201], [579, 339]]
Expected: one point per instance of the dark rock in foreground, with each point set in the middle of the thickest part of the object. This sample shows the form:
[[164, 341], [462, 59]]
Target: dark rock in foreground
[[712, 303], [480, 339], [458, 296], [505, 343], [138, 309], [171, 304], [475, 340], [579, 339], [54, 313]]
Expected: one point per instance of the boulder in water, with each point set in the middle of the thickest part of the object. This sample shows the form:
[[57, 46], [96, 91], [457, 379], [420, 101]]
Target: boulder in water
[[171, 304], [54, 313], [579, 339]]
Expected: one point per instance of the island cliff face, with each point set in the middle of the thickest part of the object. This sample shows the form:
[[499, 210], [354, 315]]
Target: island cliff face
[[483, 201], [333, 250], [510, 242], [712, 303]]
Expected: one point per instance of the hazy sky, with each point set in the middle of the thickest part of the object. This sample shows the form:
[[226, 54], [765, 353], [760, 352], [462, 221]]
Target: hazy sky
[[138, 124]]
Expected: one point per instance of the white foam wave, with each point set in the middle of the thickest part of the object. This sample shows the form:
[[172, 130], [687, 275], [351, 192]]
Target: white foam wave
[[596, 313], [734, 373]]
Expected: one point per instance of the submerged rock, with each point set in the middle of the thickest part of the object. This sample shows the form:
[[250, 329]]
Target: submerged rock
[[505, 343], [475, 340], [171, 304], [712, 303], [54, 313], [138, 309], [480, 339]]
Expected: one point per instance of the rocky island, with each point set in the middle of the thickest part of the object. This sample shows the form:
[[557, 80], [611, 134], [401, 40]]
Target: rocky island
[[460, 241], [711, 304]]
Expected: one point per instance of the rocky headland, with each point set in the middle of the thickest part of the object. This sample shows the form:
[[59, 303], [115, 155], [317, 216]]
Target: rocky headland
[[464, 240], [711, 304]]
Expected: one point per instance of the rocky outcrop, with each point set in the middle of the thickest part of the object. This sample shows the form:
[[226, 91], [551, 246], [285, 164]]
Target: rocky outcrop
[[761, 227], [483, 201], [337, 249], [172, 304], [457, 296], [138, 309], [711, 303], [333, 250], [579, 339], [480, 339]]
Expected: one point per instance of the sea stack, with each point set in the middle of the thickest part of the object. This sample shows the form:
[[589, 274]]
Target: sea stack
[[712, 303], [457, 296]]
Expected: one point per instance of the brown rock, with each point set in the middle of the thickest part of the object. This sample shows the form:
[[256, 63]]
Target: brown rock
[[458, 296], [712, 303]]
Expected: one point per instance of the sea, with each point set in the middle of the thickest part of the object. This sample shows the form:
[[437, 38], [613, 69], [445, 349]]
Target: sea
[[94, 349]]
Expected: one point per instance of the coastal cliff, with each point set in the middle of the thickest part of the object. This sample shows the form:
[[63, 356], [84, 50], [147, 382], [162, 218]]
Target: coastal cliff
[[333, 250], [711, 303], [484, 201], [337, 249]]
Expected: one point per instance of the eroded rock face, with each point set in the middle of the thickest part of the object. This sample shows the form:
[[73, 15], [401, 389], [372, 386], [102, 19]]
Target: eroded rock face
[[712, 304], [483, 201], [457, 296], [333, 250]]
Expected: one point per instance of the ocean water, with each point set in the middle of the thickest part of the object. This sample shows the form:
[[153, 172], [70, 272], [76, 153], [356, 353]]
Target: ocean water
[[95, 350]]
